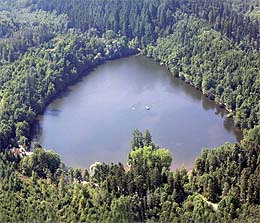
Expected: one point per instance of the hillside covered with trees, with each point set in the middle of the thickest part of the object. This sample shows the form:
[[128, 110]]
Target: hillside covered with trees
[[222, 187], [45, 45]]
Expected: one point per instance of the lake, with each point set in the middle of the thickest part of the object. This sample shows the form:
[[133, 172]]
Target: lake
[[93, 119]]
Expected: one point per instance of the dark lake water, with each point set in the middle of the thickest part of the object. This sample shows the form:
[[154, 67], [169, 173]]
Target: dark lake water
[[93, 119]]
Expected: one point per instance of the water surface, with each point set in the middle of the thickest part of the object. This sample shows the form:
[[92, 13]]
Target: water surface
[[93, 119]]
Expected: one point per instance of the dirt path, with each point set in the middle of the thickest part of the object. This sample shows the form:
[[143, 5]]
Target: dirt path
[[212, 205]]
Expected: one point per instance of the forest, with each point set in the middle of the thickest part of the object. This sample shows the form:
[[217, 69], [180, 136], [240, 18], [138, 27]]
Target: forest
[[223, 186], [46, 45]]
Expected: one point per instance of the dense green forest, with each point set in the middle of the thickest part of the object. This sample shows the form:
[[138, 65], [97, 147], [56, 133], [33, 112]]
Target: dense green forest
[[45, 45], [224, 186], [207, 60]]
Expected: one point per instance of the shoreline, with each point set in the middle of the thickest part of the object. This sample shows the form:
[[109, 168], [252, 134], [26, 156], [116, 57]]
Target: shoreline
[[211, 96], [170, 74]]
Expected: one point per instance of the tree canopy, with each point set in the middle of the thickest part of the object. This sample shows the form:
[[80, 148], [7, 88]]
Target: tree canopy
[[46, 45]]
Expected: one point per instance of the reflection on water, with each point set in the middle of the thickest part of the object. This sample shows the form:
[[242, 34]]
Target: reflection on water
[[93, 119], [53, 112]]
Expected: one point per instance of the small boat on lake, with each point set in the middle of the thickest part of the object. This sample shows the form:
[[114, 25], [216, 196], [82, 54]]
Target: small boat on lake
[[147, 107]]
